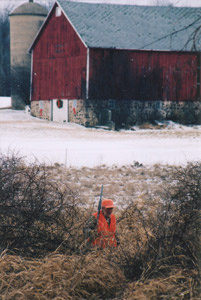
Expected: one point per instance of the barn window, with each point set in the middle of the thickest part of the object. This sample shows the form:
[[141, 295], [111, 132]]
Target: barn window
[[58, 11]]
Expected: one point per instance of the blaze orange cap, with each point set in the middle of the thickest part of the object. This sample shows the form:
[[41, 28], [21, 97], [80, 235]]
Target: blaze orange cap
[[107, 203]]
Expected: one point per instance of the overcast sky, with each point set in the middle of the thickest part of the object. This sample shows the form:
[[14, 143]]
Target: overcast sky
[[151, 2], [195, 3]]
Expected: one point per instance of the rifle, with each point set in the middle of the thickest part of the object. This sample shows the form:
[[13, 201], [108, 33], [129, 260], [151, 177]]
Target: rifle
[[87, 229], [100, 203]]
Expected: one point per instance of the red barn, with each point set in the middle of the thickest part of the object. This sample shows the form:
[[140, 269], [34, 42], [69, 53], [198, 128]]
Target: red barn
[[104, 63]]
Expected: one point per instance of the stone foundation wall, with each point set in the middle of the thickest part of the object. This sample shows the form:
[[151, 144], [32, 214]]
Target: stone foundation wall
[[83, 112], [122, 113], [41, 109], [137, 112]]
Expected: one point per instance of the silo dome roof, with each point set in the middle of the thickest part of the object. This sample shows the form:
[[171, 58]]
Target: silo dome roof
[[30, 8]]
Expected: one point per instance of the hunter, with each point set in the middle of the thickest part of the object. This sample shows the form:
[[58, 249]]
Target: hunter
[[100, 230]]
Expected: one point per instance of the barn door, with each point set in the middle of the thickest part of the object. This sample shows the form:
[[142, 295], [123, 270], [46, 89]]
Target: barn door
[[59, 110]]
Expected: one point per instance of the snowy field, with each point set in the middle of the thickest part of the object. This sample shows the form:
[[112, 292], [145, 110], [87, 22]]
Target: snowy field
[[76, 146]]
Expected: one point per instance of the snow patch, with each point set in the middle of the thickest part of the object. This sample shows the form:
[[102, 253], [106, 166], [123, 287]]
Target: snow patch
[[5, 102]]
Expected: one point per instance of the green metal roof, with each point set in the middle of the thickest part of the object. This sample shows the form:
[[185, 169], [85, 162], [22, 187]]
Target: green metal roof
[[164, 28]]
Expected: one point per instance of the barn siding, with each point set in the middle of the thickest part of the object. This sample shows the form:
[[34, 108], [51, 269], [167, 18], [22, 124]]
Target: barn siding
[[199, 78], [143, 75], [59, 62]]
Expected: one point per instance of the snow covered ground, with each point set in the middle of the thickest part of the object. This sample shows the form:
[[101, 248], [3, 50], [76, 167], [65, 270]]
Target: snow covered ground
[[5, 102], [76, 146]]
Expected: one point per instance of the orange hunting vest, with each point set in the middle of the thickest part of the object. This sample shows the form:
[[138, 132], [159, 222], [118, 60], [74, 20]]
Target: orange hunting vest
[[106, 233]]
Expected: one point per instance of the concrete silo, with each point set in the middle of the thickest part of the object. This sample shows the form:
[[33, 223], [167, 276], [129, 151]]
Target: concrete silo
[[25, 21]]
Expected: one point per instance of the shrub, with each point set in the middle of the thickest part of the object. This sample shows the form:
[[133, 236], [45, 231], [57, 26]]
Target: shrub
[[161, 235], [37, 214]]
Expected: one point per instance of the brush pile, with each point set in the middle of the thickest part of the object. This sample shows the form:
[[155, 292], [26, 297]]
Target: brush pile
[[42, 249]]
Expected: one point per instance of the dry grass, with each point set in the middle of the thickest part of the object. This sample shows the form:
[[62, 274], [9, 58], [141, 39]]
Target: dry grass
[[178, 285], [123, 184], [58, 277], [158, 226]]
